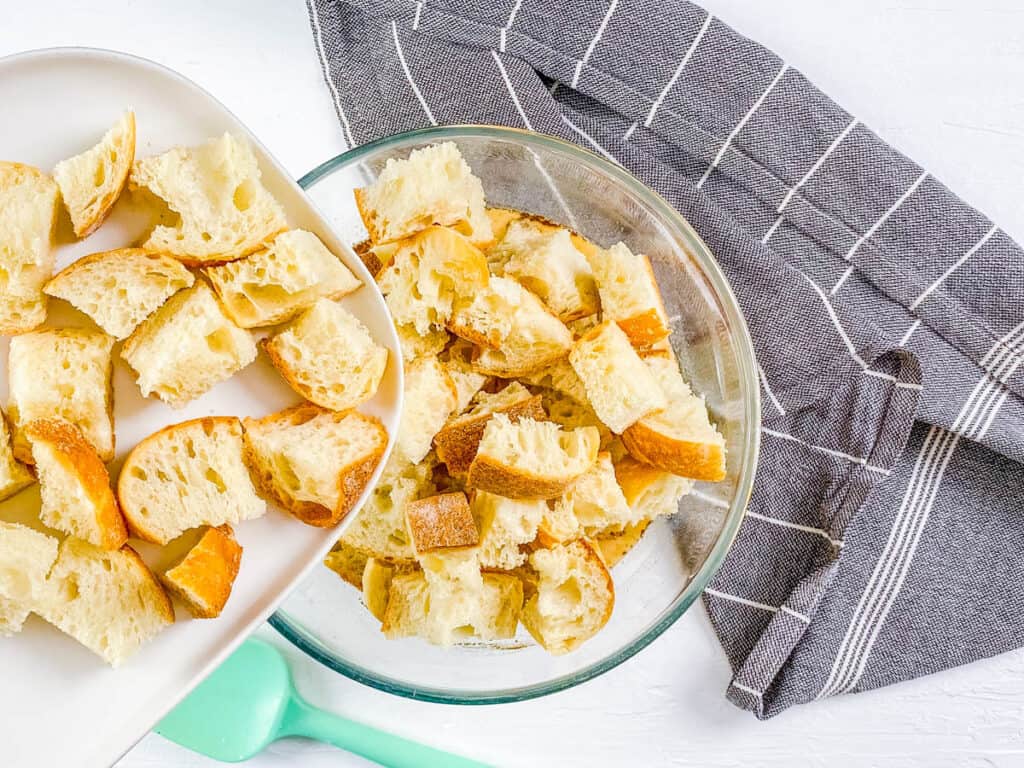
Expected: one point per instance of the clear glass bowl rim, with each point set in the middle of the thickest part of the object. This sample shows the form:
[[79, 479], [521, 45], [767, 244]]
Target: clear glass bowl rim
[[747, 372]]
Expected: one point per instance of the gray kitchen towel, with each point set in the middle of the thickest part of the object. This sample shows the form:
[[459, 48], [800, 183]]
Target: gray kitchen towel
[[883, 540]]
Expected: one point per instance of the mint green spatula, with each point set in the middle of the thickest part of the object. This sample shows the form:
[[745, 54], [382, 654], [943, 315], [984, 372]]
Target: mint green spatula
[[250, 701]]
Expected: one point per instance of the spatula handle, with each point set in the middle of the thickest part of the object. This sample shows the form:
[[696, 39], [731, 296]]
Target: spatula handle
[[302, 719]]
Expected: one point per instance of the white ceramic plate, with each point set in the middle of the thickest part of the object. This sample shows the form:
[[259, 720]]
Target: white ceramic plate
[[59, 704]]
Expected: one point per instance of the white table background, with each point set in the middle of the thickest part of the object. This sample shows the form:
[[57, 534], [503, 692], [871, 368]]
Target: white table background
[[943, 80]]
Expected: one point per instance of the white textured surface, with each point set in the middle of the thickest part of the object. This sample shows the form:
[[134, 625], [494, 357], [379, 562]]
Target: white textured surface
[[942, 81]]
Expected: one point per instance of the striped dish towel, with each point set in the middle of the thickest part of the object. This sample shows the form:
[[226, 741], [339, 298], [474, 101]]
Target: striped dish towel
[[884, 536]]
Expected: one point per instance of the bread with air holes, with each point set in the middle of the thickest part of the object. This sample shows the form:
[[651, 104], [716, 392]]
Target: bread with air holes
[[506, 527], [467, 382], [574, 596], [430, 398], [74, 485], [428, 274], [187, 347], [650, 492], [119, 289], [108, 600], [414, 344], [26, 556], [545, 261], [456, 443], [224, 211], [202, 579], [629, 294], [90, 183], [14, 476], [28, 210], [679, 438], [529, 458], [620, 387], [375, 257], [273, 285], [328, 357], [594, 503], [62, 373], [313, 462], [433, 186], [185, 476]]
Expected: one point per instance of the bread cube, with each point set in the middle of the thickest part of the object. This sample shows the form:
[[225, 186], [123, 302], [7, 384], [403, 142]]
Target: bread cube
[[26, 556], [202, 579], [629, 294], [441, 522]]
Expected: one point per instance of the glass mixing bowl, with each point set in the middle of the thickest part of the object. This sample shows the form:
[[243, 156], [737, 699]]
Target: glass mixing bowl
[[662, 576]]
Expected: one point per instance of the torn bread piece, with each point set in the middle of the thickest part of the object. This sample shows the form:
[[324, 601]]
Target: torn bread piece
[[433, 186], [224, 211], [441, 522], [108, 600], [273, 285], [328, 357], [546, 262], [119, 289], [429, 273], [375, 583], [28, 210], [187, 347], [203, 577], [26, 556], [14, 476], [650, 492], [313, 462], [375, 257], [74, 485], [592, 504], [517, 334], [456, 443], [620, 387], [629, 294], [430, 398], [574, 598], [348, 562], [467, 381], [506, 526], [529, 458], [187, 475], [616, 545], [414, 344], [679, 438], [90, 183], [62, 373]]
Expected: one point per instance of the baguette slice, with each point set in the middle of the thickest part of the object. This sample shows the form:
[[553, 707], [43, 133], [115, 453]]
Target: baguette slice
[[313, 462], [456, 443], [186, 347], [28, 209], [108, 600], [546, 262], [506, 525], [530, 459], [74, 485], [275, 284], [574, 599], [430, 398], [62, 373], [620, 387], [433, 186], [14, 476], [441, 522], [428, 274], [224, 211], [203, 578], [328, 357], [629, 294], [91, 182], [185, 476], [650, 492], [680, 438], [26, 556], [119, 289], [615, 546]]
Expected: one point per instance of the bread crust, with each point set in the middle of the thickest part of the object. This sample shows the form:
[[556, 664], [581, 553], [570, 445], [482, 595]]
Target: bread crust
[[650, 326], [369, 220], [163, 602], [699, 461], [77, 456], [352, 478], [135, 526], [70, 272], [125, 161], [202, 579], [444, 521], [457, 442], [486, 474]]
